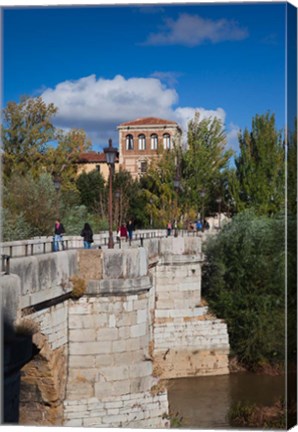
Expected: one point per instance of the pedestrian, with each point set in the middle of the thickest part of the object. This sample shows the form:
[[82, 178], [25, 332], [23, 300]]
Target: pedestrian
[[169, 228], [58, 235], [130, 228], [87, 235], [199, 225], [123, 232], [206, 225]]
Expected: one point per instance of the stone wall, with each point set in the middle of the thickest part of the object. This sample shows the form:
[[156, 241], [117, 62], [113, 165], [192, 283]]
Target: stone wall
[[44, 377], [100, 359], [188, 341], [34, 299], [110, 381]]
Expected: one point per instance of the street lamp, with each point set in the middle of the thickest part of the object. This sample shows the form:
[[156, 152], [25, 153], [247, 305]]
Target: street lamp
[[203, 193], [151, 202], [118, 210], [110, 153], [57, 186], [219, 200]]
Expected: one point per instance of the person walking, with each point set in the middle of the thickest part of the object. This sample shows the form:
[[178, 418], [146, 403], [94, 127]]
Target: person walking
[[58, 235], [87, 235], [123, 232], [130, 228], [169, 228]]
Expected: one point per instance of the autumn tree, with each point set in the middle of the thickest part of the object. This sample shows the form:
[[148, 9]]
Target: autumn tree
[[26, 131], [29, 206], [60, 161]]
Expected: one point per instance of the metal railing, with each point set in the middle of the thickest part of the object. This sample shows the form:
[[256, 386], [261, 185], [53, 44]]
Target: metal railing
[[43, 245]]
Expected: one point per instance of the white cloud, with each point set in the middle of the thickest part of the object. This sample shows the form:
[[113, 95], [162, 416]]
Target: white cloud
[[192, 30], [232, 137], [99, 105]]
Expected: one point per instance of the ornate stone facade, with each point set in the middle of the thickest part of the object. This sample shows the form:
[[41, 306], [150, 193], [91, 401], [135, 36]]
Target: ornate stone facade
[[141, 140]]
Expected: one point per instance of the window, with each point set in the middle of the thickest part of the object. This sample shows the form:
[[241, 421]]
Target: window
[[143, 167], [154, 141], [142, 142], [166, 141], [97, 168], [129, 142]]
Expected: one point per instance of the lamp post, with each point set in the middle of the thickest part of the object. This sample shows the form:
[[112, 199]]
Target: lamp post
[[176, 187], [203, 193], [118, 209], [57, 185], [110, 153], [151, 202], [219, 210]]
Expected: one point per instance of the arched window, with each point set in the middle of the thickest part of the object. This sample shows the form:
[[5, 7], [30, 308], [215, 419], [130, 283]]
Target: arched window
[[142, 142], [154, 142], [129, 142], [166, 141]]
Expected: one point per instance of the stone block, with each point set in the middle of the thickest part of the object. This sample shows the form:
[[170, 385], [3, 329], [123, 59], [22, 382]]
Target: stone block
[[120, 346], [82, 362], [90, 264], [82, 335], [115, 373], [88, 348], [82, 391], [142, 316], [138, 330], [106, 334]]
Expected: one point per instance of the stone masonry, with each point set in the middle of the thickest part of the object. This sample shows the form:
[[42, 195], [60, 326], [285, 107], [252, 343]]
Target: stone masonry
[[101, 356], [188, 341], [110, 381]]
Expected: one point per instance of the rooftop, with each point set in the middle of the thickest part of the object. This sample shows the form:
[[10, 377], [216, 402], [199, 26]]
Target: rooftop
[[148, 121]]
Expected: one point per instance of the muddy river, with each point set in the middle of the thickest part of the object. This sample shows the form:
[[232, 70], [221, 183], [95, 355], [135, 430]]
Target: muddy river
[[203, 402]]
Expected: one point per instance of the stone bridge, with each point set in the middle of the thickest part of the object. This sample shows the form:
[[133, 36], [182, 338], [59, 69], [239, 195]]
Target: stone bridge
[[110, 327]]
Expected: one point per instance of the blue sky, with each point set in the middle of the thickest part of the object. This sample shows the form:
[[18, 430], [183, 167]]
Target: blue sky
[[103, 65]]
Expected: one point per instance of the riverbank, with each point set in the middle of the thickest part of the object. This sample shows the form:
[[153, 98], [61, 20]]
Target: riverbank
[[204, 402]]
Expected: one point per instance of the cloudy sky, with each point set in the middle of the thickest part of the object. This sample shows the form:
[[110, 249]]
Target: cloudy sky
[[103, 65]]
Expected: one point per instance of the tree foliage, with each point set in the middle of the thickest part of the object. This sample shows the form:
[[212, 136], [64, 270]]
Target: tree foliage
[[244, 283], [258, 181], [92, 191], [26, 130], [205, 161], [30, 204]]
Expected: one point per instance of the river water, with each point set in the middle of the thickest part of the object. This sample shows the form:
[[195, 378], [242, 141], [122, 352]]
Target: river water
[[203, 402]]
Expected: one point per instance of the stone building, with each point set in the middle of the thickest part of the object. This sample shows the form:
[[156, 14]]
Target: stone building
[[140, 140], [92, 160]]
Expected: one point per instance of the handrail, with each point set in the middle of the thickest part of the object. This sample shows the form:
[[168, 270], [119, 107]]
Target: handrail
[[21, 248]]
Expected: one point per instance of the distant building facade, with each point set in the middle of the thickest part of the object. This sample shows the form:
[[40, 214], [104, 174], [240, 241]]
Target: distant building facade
[[91, 161], [140, 140]]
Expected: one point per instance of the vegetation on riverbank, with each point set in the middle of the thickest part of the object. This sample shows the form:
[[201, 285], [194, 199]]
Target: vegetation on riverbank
[[246, 415], [244, 283]]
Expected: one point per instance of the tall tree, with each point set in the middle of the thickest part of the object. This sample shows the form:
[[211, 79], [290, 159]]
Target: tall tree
[[30, 205], [205, 162], [60, 161], [26, 130], [92, 192], [260, 167], [158, 185]]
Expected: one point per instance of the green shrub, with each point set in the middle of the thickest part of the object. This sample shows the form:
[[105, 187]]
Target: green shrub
[[244, 283]]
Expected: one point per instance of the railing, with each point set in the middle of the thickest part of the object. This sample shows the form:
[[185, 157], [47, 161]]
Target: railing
[[42, 245]]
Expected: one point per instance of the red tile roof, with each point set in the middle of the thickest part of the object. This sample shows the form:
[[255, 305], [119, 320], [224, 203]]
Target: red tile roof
[[92, 157], [148, 121]]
